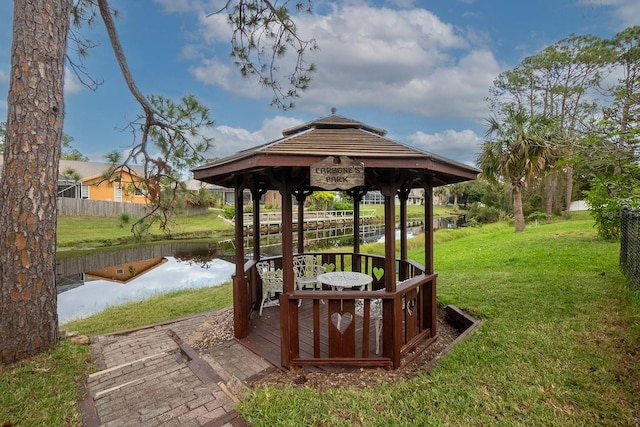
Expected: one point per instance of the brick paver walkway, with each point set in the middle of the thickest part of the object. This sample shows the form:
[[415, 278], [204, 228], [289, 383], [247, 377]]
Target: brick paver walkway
[[150, 376]]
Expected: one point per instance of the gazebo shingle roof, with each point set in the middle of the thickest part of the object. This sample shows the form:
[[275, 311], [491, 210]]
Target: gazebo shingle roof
[[306, 144]]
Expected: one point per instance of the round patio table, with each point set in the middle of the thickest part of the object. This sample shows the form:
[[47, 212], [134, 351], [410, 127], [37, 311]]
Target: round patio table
[[340, 280]]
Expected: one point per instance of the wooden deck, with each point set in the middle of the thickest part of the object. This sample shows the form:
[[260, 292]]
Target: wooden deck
[[264, 335]]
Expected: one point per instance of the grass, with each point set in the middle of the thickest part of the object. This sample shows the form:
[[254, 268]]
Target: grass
[[45, 390], [102, 232], [558, 345], [156, 309]]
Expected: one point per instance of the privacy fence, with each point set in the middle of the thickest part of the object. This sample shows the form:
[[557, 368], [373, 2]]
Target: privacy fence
[[84, 207], [630, 246]]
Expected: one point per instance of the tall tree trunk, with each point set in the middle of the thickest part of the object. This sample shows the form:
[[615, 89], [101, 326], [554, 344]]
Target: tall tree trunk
[[518, 215], [551, 184], [569, 189], [28, 313]]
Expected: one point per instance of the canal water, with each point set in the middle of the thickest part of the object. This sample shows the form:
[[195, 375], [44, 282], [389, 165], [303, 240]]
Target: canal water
[[87, 285]]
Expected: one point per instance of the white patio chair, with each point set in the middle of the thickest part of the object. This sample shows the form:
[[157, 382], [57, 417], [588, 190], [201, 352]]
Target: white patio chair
[[271, 283], [375, 313], [306, 271]]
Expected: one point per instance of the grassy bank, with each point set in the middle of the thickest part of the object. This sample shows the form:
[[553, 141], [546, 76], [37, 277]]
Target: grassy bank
[[558, 345], [82, 233]]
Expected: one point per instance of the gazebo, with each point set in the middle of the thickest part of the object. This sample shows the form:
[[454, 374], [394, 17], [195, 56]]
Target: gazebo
[[328, 327]]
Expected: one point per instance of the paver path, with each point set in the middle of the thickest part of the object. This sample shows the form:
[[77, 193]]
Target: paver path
[[151, 376]]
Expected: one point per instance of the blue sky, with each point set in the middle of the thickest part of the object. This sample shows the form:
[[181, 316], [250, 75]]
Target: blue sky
[[418, 69]]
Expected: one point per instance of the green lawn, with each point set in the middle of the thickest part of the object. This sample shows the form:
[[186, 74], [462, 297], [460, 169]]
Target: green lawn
[[81, 233], [558, 345]]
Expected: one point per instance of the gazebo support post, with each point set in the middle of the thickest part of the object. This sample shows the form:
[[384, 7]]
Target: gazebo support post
[[241, 299], [391, 309], [289, 344], [428, 224], [256, 195], [430, 302], [356, 194], [403, 195]]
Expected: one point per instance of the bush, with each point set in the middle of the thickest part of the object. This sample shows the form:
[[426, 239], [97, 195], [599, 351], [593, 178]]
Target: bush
[[343, 205], [483, 214], [607, 209], [124, 219], [537, 216], [228, 211]]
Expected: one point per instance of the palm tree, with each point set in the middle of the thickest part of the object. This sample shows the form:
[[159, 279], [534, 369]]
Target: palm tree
[[516, 150]]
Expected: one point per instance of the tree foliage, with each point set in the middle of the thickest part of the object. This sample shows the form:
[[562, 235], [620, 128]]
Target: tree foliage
[[263, 32], [597, 121], [517, 148], [69, 152], [322, 200]]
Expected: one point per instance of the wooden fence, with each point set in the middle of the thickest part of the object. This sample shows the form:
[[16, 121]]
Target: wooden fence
[[84, 207]]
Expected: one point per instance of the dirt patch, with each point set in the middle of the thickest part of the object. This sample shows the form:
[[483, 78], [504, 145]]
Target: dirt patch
[[219, 328]]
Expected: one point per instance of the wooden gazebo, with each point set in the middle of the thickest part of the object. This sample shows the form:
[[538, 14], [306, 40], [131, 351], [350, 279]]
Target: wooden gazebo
[[322, 327]]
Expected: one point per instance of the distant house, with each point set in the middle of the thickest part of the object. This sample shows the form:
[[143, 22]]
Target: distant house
[[415, 197], [84, 180], [228, 195]]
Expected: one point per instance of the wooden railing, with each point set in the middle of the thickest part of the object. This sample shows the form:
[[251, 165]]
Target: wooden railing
[[342, 327]]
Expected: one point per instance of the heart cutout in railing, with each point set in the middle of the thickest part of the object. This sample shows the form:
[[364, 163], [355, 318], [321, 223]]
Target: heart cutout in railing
[[410, 306], [341, 321], [378, 272], [329, 267]]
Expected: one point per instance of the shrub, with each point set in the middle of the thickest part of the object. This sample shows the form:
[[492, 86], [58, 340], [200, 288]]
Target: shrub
[[343, 205], [124, 219], [228, 211], [537, 216], [483, 214]]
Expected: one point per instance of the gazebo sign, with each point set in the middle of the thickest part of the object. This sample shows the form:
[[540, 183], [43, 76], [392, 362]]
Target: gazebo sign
[[337, 173]]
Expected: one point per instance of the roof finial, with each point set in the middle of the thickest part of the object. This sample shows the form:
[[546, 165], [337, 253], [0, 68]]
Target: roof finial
[[333, 111]]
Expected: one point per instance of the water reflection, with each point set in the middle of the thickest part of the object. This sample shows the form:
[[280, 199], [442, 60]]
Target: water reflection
[[86, 292]]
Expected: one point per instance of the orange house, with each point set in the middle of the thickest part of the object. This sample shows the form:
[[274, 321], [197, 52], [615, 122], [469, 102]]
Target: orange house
[[85, 180]]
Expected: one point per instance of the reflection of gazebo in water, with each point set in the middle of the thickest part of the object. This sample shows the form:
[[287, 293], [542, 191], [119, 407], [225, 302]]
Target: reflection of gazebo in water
[[335, 327]]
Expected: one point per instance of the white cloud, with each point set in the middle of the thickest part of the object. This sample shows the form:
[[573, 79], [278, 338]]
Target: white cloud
[[400, 60], [625, 11], [462, 146], [4, 77], [214, 72], [71, 83], [406, 60]]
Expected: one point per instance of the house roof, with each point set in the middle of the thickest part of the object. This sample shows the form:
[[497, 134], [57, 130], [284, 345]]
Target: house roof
[[91, 170], [311, 142]]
